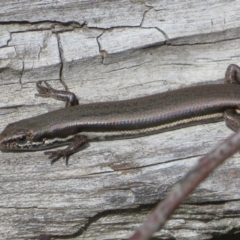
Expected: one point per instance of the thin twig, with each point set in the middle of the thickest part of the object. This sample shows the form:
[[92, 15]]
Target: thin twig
[[184, 187]]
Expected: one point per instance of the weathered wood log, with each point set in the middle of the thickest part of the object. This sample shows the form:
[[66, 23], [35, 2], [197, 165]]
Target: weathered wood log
[[112, 50]]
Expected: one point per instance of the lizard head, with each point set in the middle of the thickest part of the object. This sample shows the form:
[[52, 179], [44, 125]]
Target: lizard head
[[31, 135], [16, 137]]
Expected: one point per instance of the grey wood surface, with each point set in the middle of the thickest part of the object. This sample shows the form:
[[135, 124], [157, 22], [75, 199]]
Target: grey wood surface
[[112, 50]]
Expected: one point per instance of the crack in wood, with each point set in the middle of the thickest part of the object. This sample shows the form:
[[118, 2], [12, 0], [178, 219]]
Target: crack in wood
[[97, 217]]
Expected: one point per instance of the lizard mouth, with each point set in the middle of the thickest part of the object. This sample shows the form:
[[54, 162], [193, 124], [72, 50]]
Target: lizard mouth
[[25, 145]]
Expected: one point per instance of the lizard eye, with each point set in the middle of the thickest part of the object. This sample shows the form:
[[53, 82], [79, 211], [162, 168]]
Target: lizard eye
[[21, 139]]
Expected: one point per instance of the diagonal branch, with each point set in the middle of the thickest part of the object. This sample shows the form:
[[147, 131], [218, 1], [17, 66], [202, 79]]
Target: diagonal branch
[[184, 187]]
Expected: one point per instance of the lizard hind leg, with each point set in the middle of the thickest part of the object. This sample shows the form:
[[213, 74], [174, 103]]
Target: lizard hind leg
[[232, 116], [232, 119], [232, 75]]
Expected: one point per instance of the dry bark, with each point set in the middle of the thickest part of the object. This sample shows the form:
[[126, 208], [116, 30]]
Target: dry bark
[[103, 51]]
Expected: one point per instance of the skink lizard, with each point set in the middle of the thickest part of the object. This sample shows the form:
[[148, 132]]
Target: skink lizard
[[77, 124]]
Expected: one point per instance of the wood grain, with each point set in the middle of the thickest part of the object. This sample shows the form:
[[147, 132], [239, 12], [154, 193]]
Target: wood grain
[[112, 50]]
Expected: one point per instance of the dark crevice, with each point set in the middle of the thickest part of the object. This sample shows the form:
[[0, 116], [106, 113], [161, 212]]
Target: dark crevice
[[200, 37], [116, 27], [161, 31], [102, 52], [25, 105], [233, 234], [10, 107], [97, 217], [61, 77], [8, 41], [164, 34], [221, 202], [66, 24], [144, 14], [21, 74], [70, 23], [50, 26]]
